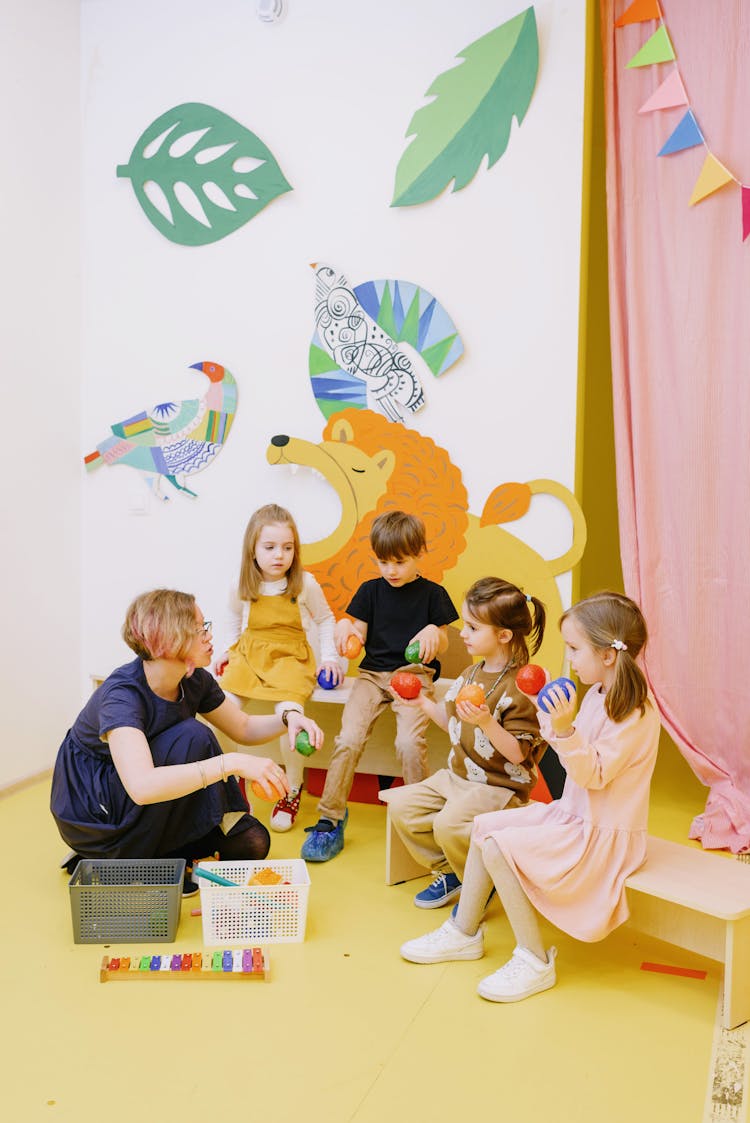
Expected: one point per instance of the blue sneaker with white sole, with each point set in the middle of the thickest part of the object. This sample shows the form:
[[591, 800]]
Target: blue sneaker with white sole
[[444, 889], [324, 841]]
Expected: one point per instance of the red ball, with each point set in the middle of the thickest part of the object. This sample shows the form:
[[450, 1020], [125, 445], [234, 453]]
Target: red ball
[[406, 684], [531, 678]]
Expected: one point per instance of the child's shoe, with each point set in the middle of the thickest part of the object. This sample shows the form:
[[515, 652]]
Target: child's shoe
[[445, 888], [443, 945], [523, 975], [285, 810], [325, 840]]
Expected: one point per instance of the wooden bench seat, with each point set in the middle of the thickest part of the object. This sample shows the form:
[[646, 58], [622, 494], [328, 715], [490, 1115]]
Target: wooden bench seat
[[682, 895]]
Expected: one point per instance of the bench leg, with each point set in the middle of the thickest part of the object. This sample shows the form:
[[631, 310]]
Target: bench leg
[[737, 974], [399, 864]]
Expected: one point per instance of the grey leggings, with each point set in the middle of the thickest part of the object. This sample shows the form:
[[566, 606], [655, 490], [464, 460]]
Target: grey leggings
[[486, 866]]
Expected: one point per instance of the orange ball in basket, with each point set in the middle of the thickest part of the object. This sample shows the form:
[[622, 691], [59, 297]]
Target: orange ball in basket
[[406, 684], [352, 647], [473, 692], [260, 794]]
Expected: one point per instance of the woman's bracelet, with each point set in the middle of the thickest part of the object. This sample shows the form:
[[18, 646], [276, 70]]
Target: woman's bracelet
[[203, 774], [223, 769], [285, 714]]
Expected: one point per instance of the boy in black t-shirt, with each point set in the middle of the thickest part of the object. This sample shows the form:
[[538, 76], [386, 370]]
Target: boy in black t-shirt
[[389, 613]]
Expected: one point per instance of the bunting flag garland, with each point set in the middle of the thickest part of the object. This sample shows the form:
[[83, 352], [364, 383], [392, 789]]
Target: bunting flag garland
[[713, 176], [686, 135], [657, 49], [671, 94], [640, 11], [745, 212]]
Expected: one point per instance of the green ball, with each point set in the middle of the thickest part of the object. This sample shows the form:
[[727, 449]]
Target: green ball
[[302, 743], [412, 652]]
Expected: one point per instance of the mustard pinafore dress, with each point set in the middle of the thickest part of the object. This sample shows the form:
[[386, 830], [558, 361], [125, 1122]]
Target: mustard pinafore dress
[[272, 659]]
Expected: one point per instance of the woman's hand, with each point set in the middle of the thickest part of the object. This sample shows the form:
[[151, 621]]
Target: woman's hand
[[333, 672], [220, 663], [298, 721], [269, 775]]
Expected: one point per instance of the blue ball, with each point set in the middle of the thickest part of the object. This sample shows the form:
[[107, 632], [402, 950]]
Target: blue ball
[[325, 679], [567, 686]]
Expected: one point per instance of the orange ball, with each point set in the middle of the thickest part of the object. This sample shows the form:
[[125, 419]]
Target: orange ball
[[352, 647], [258, 791], [473, 692]]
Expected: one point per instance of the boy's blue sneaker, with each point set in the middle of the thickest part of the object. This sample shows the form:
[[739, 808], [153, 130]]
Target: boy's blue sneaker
[[441, 891], [325, 840]]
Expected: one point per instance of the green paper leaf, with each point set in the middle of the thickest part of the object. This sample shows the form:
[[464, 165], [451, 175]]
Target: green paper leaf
[[472, 113], [210, 174]]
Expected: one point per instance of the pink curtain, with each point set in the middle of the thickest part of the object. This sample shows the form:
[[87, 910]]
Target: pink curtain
[[680, 315]]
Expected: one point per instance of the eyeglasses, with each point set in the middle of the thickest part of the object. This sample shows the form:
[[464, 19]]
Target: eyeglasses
[[205, 628]]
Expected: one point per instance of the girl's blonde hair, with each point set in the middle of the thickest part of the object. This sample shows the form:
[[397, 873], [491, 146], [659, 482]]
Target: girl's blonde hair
[[606, 619], [160, 624], [250, 575], [503, 605]]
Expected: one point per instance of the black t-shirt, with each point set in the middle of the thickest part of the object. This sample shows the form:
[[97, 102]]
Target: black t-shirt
[[395, 615]]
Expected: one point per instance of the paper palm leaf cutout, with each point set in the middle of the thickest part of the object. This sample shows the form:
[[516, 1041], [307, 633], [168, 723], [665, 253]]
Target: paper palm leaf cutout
[[471, 115], [199, 175]]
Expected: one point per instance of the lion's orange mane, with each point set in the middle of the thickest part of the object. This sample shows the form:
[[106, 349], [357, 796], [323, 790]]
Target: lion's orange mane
[[424, 482]]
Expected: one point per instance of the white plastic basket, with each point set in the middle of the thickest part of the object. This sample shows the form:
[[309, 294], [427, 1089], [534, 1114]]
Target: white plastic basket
[[257, 914]]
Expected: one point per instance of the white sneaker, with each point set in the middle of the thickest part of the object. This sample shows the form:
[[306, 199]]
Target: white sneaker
[[446, 943], [524, 974]]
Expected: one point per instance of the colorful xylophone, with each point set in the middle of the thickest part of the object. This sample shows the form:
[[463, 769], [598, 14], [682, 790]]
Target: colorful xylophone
[[249, 963]]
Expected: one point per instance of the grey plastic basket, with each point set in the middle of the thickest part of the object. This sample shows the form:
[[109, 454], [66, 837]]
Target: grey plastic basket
[[126, 900]]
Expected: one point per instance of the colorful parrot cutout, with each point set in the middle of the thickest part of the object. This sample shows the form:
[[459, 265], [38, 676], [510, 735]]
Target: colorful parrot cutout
[[174, 439]]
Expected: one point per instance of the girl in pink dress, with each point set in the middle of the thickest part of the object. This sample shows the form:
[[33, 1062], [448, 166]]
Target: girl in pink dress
[[568, 859]]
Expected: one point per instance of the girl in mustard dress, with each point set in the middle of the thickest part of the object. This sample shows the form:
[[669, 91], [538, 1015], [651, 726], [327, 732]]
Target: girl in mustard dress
[[283, 635]]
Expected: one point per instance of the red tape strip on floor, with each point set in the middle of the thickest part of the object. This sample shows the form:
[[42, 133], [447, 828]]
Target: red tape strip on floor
[[666, 969]]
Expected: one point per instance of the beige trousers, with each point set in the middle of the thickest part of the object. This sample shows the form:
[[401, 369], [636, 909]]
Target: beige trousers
[[368, 699], [434, 818]]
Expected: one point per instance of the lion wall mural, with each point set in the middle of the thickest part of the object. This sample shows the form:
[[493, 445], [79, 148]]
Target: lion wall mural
[[375, 465]]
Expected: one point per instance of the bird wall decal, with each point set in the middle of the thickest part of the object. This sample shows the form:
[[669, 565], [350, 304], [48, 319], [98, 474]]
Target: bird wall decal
[[174, 439]]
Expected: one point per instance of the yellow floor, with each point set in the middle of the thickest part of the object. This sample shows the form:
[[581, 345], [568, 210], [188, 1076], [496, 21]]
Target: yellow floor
[[345, 1030]]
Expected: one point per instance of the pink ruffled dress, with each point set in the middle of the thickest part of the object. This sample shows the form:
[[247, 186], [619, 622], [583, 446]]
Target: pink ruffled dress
[[573, 856]]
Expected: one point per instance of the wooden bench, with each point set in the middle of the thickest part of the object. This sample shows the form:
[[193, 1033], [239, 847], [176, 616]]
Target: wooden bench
[[379, 757], [682, 895]]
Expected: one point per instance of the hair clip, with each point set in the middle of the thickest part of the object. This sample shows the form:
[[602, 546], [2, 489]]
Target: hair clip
[[619, 645], [528, 598]]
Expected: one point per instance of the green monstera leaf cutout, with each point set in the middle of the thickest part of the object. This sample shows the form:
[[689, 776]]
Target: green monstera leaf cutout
[[199, 175], [472, 113]]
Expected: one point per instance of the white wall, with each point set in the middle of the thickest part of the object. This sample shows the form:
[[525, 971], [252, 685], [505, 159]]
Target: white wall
[[40, 479], [330, 89]]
